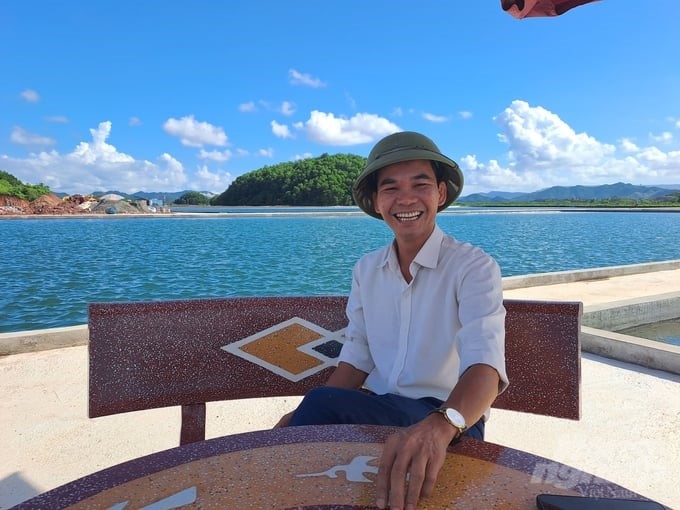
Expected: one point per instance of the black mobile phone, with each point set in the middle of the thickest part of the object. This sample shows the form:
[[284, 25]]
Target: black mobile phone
[[559, 502]]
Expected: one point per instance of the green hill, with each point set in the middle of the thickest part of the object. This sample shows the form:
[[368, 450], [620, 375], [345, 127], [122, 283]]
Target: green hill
[[10, 185], [322, 181]]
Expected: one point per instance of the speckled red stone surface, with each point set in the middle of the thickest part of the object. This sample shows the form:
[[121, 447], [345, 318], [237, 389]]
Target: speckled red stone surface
[[311, 467], [156, 354], [543, 358]]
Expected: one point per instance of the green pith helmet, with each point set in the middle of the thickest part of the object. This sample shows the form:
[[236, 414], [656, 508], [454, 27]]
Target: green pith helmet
[[405, 146]]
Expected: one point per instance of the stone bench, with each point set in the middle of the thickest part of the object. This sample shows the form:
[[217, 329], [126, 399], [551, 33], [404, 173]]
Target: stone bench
[[145, 355]]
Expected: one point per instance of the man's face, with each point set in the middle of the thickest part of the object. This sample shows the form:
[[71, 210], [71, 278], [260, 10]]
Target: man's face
[[407, 197]]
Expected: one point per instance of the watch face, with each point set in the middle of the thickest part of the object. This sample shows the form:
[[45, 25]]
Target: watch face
[[455, 417]]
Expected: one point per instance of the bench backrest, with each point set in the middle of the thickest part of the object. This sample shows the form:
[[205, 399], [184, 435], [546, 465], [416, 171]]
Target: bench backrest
[[169, 353]]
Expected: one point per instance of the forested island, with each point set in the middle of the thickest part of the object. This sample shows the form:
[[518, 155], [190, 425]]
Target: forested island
[[323, 181]]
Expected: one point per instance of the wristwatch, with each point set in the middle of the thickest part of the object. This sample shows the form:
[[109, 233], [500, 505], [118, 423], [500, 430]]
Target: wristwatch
[[453, 417]]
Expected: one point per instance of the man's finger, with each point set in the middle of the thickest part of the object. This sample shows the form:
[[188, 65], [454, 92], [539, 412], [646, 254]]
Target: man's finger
[[431, 474], [382, 483], [416, 477], [401, 466]]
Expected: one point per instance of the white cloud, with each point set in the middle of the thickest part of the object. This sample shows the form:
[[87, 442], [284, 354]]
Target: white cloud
[[30, 96], [545, 151], [306, 155], [351, 101], [653, 155], [242, 153], [431, 117], [280, 130], [57, 119], [664, 137], [538, 137], [297, 78], [492, 176], [22, 137], [628, 145], [99, 151], [134, 121], [193, 133], [219, 156], [206, 180], [468, 162], [287, 108], [327, 129], [398, 112], [97, 166], [172, 164], [267, 153], [465, 115], [248, 107]]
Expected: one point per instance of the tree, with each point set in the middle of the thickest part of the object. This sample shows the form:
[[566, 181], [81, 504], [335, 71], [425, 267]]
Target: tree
[[193, 198]]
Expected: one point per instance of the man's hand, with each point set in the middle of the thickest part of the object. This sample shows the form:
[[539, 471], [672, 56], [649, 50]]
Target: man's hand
[[416, 452], [285, 419], [419, 451]]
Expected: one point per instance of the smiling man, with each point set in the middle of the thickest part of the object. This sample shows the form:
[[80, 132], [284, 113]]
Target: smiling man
[[425, 343]]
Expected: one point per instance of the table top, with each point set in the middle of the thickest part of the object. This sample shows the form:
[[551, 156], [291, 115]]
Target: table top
[[314, 468]]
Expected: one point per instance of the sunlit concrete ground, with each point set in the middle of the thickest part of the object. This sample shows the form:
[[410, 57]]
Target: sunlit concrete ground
[[629, 432]]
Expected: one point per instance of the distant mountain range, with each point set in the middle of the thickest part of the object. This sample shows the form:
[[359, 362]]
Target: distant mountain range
[[163, 196], [602, 192]]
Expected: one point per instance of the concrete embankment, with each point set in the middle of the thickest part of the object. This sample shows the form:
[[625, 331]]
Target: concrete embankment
[[615, 298], [643, 293], [42, 339]]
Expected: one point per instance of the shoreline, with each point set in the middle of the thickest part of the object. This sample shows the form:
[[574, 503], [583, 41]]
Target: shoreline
[[328, 211], [86, 216]]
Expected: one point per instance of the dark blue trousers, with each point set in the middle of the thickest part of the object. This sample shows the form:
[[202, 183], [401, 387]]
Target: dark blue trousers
[[326, 406]]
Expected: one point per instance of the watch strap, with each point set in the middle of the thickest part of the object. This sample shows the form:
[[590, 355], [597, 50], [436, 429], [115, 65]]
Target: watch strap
[[460, 429]]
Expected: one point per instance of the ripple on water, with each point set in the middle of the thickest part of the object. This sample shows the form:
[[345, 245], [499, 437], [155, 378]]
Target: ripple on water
[[52, 268]]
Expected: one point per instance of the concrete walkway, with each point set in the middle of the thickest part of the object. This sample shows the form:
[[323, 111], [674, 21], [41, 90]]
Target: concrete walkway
[[629, 432], [600, 289]]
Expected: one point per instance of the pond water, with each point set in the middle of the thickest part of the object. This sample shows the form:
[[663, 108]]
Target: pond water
[[662, 331]]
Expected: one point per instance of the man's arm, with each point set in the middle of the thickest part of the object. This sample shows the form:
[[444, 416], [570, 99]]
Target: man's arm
[[420, 450], [344, 376]]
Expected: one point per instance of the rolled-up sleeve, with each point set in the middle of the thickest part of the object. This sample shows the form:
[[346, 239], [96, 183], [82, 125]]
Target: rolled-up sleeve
[[482, 318], [355, 350]]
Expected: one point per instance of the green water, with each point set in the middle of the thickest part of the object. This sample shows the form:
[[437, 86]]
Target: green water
[[662, 331]]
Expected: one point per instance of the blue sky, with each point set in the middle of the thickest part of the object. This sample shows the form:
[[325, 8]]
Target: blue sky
[[169, 95]]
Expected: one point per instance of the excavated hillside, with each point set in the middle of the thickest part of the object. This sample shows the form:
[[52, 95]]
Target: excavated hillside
[[76, 204]]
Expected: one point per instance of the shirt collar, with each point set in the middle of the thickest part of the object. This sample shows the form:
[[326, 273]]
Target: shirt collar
[[426, 257]]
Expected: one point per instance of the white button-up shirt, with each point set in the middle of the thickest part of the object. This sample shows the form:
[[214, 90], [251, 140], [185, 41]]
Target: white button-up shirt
[[416, 339]]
